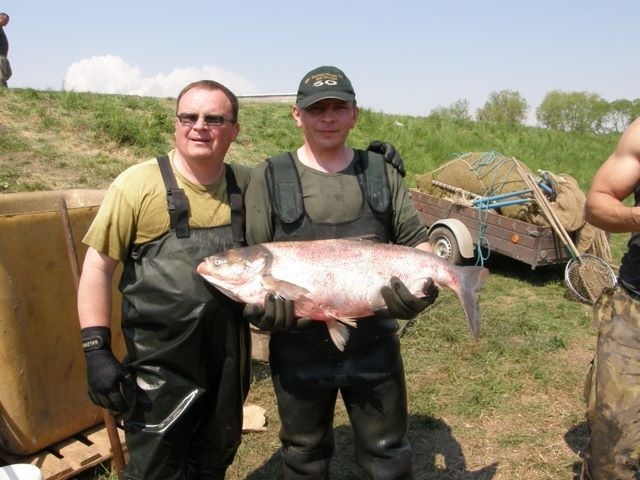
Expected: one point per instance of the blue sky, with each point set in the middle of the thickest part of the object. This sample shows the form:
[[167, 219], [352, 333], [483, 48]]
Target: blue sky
[[403, 57]]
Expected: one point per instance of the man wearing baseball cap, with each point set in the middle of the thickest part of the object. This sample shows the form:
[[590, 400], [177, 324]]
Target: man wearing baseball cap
[[324, 82], [326, 189]]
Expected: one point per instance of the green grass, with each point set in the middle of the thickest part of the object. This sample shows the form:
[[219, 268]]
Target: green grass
[[505, 406], [125, 129]]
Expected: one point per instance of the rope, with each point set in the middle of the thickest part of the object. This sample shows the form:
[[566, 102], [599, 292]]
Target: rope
[[482, 239], [489, 163], [486, 166]]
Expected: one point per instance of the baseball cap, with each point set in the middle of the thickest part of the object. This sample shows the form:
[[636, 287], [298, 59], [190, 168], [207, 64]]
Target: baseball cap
[[324, 82]]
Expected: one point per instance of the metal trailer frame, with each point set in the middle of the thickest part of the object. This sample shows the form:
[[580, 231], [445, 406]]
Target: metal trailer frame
[[456, 229]]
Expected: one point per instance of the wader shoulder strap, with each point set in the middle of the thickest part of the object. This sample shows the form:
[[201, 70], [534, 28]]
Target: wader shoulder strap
[[285, 190], [237, 207], [176, 199], [378, 191]]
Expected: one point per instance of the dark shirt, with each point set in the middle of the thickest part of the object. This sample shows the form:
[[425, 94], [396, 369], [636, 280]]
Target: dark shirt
[[4, 43], [629, 275]]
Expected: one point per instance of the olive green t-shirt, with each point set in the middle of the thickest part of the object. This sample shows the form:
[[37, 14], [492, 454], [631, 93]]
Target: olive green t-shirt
[[134, 209], [331, 198]]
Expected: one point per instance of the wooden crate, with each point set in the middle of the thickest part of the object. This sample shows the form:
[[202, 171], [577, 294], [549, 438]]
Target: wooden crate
[[87, 449], [259, 345], [71, 456]]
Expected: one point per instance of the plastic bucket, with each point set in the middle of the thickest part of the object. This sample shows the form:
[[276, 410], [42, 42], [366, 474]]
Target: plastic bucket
[[20, 471]]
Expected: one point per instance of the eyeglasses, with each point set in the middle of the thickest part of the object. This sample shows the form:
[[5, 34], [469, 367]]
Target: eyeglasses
[[190, 119]]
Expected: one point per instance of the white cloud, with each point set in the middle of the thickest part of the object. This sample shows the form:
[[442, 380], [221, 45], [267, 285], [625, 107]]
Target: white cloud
[[111, 74]]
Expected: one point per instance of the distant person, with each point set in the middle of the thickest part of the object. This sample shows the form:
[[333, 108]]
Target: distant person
[[5, 66], [186, 375], [326, 189], [613, 384]]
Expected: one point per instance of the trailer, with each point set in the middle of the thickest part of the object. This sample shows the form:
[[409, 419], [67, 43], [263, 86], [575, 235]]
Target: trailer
[[461, 233]]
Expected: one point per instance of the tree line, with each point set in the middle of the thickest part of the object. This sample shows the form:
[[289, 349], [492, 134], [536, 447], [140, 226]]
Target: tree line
[[565, 111]]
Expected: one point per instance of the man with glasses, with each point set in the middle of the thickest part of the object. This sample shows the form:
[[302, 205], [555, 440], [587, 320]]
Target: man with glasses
[[186, 374]]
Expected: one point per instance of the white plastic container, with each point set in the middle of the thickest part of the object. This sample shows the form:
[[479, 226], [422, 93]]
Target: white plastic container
[[20, 471]]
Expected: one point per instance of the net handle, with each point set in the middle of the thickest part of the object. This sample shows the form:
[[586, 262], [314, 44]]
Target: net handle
[[549, 213]]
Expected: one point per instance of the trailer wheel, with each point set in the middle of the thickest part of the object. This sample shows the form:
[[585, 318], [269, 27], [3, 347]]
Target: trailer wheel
[[445, 245]]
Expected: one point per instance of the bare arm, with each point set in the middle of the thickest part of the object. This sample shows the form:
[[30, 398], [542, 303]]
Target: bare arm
[[95, 291], [614, 181]]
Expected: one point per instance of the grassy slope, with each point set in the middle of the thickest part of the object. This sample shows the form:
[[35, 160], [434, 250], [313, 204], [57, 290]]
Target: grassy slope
[[507, 406]]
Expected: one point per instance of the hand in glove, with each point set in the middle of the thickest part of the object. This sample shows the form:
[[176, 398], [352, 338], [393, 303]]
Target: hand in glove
[[390, 154], [402, 304], [105, 374], [277, 313]]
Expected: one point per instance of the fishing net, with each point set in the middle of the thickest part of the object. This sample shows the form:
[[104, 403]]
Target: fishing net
[[587, 276], [484, 174], [568, 205]]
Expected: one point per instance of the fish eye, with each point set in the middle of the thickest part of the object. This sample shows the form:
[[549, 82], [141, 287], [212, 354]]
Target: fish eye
[[217, 262]]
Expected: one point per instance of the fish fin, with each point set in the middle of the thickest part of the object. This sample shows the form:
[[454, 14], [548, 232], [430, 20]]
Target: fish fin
[[285, 289], [339, 333], [352, 322]]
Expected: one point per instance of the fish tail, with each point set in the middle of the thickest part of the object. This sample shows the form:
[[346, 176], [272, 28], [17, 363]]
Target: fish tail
[[471, 280]]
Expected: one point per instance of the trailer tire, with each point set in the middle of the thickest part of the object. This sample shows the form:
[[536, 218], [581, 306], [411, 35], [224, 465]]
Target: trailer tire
[[445, 245]]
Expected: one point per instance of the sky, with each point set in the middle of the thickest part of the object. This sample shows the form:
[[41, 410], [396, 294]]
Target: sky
[[403, 57]]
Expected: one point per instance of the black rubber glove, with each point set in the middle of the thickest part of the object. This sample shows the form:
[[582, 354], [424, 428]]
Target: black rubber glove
[[389, 153], [402, 304], [105, 374], [277, 313]]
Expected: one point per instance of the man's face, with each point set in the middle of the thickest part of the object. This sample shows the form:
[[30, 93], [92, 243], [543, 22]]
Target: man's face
[[203, 141], [3, 20], [326, 123]]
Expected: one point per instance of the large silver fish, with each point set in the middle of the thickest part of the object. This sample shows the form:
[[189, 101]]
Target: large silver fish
[[337, 281]]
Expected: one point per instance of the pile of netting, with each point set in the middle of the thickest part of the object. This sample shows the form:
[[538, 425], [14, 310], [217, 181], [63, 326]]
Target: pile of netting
[[488, 174]]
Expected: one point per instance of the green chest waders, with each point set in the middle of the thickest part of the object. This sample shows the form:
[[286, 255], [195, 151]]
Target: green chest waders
[[189, 350], [308, 370]]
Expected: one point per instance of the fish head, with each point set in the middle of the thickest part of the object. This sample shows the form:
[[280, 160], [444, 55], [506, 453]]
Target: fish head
[[237, 272]]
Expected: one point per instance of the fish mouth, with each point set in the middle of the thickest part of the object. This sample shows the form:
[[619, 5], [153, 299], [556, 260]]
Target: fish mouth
[[228, 292], [224, 287]]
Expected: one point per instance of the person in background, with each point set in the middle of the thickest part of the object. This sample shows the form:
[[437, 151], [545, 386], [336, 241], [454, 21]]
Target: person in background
[[612, 388], [326, 189], [182, 386], [5, 66]]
